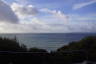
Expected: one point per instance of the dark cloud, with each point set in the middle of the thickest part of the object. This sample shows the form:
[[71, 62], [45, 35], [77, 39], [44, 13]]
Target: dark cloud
[[6, 13]]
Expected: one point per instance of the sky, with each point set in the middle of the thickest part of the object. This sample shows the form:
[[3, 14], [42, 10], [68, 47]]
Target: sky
[[47, 16]]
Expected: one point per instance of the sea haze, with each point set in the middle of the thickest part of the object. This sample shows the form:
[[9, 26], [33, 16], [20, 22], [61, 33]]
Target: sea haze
[[48, 41]]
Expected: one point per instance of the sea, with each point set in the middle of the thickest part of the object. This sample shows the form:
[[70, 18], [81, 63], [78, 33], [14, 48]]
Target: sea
[[48, 41]]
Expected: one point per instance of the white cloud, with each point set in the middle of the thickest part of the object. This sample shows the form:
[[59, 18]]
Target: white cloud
[[6, 13], [29, 10], [56, 14], [62, 22], [81, 5], [23, 11], [35, 25], [32, 26]]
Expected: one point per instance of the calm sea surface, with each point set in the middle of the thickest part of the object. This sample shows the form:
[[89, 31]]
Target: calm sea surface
[[48, 41]]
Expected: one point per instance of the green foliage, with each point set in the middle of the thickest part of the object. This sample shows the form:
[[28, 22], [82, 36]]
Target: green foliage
[[76, 51], [83, 49], [13, 45], [84, 44]]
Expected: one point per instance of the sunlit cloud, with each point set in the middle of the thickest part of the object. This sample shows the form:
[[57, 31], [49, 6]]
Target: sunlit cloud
[[23, 11], [27, 18]]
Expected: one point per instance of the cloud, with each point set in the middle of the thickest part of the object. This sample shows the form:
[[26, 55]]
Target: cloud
[[57, 14], [81, 5], [6, 13], [23, 11], [37, 24], [34, 25], [59, 21], [29, 10]]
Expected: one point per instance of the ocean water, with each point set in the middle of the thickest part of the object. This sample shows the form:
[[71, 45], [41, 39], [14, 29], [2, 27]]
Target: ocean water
[[48, 41]]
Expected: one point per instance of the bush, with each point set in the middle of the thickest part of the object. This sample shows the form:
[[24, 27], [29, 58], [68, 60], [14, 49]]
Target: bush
[[10, 45]]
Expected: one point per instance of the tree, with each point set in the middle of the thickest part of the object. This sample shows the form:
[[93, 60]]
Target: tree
[[9, 45]]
